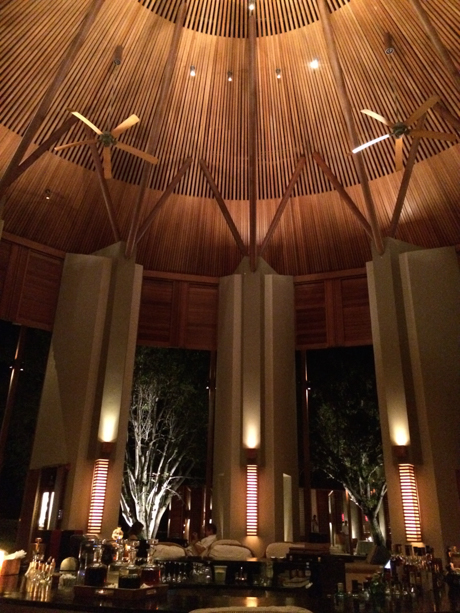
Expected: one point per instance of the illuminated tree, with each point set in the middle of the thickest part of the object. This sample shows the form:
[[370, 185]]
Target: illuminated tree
[[345, 428], [167, 431]]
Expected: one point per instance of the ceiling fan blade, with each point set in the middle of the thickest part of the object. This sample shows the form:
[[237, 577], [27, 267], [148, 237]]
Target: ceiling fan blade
[[437, 135], [377, 116], [107, 163], [138, 152], [87, 121], [369, 143], [399, 154], [422, 109], [78, 142], [127, 123]]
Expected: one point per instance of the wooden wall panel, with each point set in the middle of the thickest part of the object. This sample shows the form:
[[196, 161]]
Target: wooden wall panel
[[29, 282], [201, 326], [155, 317], [181, 310], [178, 312], [310, 309], [332, 310], [355, 311]]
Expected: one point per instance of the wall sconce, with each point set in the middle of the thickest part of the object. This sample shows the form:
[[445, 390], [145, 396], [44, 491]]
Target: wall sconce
[[251, 498], [278, 73], [98, 492], [229, 75], [192, 71], [411, 508]]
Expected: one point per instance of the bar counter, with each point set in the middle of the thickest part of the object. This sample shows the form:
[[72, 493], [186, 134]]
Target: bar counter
[[183, 599]]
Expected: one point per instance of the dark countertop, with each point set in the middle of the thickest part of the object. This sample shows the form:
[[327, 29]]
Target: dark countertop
[[183, 599]]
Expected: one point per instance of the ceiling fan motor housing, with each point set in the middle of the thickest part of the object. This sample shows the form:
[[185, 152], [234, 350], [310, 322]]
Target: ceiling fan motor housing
[[107, 139], [399, 129]]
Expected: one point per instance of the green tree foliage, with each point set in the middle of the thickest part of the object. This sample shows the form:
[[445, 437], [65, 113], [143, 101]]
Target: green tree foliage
[[167, 431], [345, 427]]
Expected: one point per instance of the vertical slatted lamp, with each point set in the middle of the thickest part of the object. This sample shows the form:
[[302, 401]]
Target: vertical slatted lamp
[[98, 491], [252, 514], [410, 503]]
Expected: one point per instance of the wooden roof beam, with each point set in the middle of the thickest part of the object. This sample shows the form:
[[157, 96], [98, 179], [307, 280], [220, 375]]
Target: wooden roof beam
[[342, 193], [436, 42], [252, 145], [47, 99], [282, 204], [442, 110], [406, 178], [225, 212], [105, 188], [168, 191], [347, 112], [157, 121], [43, 148]]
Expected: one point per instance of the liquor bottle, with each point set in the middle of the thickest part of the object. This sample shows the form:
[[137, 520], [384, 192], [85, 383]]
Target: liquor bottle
[[340, 598], [96, 571]]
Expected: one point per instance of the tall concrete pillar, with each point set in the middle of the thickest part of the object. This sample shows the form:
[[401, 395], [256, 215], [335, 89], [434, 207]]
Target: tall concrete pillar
[[415, 312], [256, 406], [85, 401]]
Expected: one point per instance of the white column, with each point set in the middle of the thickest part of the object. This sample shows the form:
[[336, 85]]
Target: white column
[[255, 404], [415, 311]]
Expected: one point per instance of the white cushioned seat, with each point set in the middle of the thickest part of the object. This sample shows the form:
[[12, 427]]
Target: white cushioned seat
[[169, 551]]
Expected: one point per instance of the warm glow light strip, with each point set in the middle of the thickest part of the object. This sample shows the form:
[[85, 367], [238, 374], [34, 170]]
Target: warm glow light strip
[[371, 142], [251, 500], [98, 490], [410, 502]]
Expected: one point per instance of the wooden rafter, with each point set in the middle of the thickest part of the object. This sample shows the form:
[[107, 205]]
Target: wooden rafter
[[347, 112], [165, 195], [47, 99], [104, 188], [282, 204], [436, 42], [223, 207], [406, 179], [154, 136], [43, 148], [342, 193]]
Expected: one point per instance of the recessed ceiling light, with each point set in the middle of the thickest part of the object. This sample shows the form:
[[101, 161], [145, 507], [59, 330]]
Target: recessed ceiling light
[[251, 6], [230, 75], [192, 71], [278, 73], [314, 64]]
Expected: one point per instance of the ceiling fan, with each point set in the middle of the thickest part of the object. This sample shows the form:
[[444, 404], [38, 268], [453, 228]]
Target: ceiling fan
[[402, 128], [109, 139]]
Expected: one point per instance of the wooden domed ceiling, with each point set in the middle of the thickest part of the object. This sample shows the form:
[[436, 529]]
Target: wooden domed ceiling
[[58, 201]]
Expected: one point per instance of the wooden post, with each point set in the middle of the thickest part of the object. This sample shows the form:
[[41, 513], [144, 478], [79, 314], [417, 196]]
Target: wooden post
[[252, 145], [306, 445], [436, 42], [210, 447], [45, 104], [12, 392], [157, 122], [347, 112]]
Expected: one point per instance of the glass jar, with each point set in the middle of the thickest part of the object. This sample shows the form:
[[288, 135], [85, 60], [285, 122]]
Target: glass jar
[[150, 572], [130, 574]]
